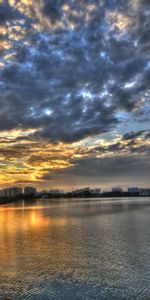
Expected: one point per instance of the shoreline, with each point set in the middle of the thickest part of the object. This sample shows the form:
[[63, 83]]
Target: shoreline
[[12, 200]]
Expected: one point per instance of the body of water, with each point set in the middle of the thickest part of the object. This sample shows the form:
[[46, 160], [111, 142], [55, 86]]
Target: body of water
[[75, 249]]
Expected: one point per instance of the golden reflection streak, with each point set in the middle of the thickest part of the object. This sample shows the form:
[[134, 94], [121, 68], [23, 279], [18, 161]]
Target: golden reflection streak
[[33, 219]]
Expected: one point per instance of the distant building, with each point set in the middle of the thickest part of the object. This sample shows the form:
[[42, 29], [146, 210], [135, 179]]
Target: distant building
[[29, 190], [54, 192], [95, 191], [86, 192], [44, 196], [81, 191], [144, 192], [117, 189], [133, 190], [11, 192]]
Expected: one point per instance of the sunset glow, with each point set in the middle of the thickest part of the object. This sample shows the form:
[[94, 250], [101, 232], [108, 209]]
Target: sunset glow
[[74, 93]]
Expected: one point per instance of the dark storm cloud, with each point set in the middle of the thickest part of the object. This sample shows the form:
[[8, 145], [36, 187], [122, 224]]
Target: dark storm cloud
[[130, 147], [46, 177], [125, 160], [145, 2], [128, 144], [70, 76], [126, 170], [52, 9], [135, 134], [111, 167], [8, 13]]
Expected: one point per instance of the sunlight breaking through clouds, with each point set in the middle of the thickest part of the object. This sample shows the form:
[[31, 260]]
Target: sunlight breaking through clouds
[[72, 72]]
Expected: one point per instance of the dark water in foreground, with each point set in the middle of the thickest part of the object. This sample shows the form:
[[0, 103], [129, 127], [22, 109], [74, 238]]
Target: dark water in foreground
[[75, 250]]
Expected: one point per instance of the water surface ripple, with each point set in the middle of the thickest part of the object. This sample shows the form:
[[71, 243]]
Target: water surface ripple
[[84, 249]]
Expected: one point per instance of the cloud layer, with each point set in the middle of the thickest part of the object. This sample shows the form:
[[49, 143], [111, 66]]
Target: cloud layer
[[72, 70]]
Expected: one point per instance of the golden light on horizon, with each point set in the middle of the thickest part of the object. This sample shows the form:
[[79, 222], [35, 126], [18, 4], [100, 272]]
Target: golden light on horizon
[[31, 161], [73, 89]]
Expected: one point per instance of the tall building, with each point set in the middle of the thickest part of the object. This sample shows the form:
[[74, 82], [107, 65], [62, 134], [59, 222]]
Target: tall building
[[29, 190], [11, 192], [117, 189], [96, 191], [133, 190], [54, 192], [145, 192]]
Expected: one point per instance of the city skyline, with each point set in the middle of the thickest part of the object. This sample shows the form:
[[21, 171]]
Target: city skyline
[[14, 193], [74, 93]]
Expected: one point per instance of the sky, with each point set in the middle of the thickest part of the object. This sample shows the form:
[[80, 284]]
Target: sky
[[74, 93]]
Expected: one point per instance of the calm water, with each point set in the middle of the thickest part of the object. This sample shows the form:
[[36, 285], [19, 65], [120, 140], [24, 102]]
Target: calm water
[[75, 249]]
